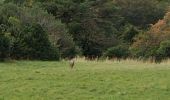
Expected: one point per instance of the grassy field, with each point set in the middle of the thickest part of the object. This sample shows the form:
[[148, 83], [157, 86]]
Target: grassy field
[[90, 80]]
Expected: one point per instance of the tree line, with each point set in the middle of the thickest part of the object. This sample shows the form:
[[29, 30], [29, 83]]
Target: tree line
[[57, 29]]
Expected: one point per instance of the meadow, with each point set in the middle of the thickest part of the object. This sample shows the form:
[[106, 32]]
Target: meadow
[[89, 80]]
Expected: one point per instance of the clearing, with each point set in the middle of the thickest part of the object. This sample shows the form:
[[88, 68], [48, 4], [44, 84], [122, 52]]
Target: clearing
[[89, 80]]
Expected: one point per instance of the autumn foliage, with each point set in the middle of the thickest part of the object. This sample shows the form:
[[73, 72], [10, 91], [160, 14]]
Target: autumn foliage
[[149, 44]]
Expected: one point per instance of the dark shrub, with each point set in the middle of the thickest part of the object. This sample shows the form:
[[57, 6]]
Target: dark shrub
[[33, 43], [119, 51], [164, 50], [128, 34], [4, 47]]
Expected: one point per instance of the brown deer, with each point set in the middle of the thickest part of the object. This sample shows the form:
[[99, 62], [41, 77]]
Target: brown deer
[[72, 63]]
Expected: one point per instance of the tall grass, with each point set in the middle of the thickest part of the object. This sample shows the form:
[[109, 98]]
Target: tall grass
[[128, 60]]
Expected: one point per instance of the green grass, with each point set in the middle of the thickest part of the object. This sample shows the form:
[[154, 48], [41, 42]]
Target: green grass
[[126, 80]]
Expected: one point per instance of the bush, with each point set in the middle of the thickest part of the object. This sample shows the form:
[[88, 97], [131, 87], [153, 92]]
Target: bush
[[68, 49], [119, 51], [164, 50], [4, 47], [33, 43], [155, 42], [57, 31], [141, 13], [128, 33]]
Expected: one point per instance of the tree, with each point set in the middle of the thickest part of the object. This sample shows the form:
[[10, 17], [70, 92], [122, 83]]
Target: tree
[[163, 51], [4, 46], [120, 51], [33, 43], [154, 42], [141, 13], [92, 29]]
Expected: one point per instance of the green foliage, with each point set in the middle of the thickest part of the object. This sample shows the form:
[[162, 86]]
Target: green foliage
[[155, 42], [10, 10], [15, 1], [4, 46], [119, 51], [33, 43], [57, 32], [164, 48], [67, 47], [141, 13], [163, 51], [143, 47], [16, 24], [129, 32], [87, 27]]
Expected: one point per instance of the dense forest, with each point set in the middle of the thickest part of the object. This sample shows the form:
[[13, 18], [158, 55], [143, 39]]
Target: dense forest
[[60, 29]]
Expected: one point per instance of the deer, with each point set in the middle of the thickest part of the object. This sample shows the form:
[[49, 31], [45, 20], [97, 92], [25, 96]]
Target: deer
[[71, 63]]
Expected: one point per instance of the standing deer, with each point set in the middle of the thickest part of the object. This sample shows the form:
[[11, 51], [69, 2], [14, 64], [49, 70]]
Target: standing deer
[[72, 63]]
